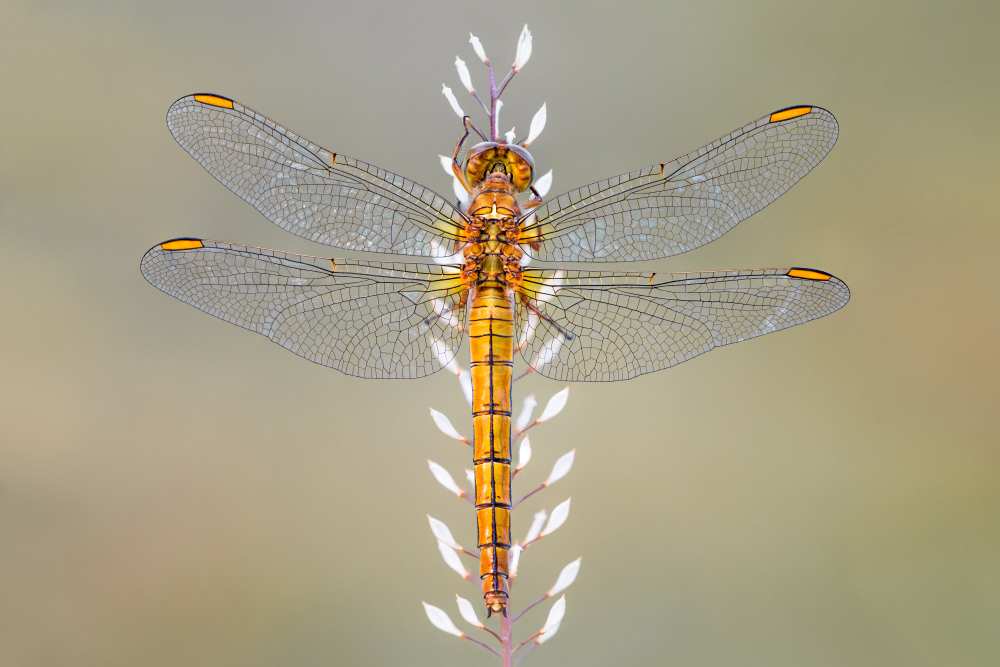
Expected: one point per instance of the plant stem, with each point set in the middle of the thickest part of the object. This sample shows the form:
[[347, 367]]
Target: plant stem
[[507, 641]]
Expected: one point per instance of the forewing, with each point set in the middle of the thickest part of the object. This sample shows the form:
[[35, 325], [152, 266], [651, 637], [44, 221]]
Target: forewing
[[591, 326], [667, 209], [367, 319], [308, 190]]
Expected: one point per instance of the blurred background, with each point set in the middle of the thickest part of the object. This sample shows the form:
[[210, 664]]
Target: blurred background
[[176, 491]]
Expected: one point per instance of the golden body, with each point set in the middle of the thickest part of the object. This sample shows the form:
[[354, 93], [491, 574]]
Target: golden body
[[492, 268]]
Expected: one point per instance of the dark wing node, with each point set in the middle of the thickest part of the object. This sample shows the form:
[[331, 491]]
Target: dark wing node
[[367, 319], [308, 190], [667, 209], [593, 326]]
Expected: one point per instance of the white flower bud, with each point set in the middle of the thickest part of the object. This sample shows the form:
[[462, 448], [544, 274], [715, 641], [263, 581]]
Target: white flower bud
[[543, 184], [463, 74], [537, 125], [444, 354], [496, 118], [451, 559], [553, 621], [557, 518], [442, 532], [477, 46], [471, 476], [440, 620], [536, 527], [445, 426], [561, 468], [527, 409], [548, 352], [515, 558], [468, 613], [555, 405], [565, 579], [460, 194], [465, 380], [450, 96], [446, 165], [523, 49], [509, 135], [523, 454], [444, 478]]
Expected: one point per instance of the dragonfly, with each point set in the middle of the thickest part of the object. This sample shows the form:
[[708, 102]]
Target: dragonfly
[[485, 265]]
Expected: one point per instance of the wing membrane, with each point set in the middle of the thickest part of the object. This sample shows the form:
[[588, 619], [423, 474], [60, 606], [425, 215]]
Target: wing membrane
[[311, 191], [590, 326], [667, 209], [367, 319]]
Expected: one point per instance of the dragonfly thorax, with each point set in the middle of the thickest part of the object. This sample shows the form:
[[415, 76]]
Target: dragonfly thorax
[[492, 254]]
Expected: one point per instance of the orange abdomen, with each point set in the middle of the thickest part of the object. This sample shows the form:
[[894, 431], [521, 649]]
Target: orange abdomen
[[491, 338]]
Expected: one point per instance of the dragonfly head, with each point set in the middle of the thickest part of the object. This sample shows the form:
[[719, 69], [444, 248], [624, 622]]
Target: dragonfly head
[[493, 160]]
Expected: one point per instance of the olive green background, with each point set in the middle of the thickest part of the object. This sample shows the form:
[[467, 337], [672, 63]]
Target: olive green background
[[176, 491]]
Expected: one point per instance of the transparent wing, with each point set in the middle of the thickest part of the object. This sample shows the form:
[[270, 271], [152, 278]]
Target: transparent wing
[[308, 190], [367, 319], [667, 209], [590, 326]]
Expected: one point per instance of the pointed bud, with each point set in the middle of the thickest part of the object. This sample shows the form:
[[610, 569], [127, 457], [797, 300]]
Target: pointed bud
[[446, 165], [450, 96], [460, 194], [445, 426], [536, 127], [444, 354], [444, 478], [509, 135], [445, 313], [561, 468], [440, 620], [471, 476], [557, 518], [555, 405], [442, 532], [550, 350], [514, 559], [536, 527], [467, 612], [543, 184], [523, 49], [466, 381], [496, 118], [565, 579], [553, 621], [523, 454], [451, 559], [527, 409], [463, 74], [477, 46]]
